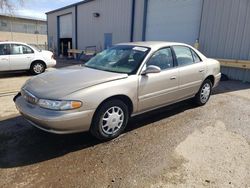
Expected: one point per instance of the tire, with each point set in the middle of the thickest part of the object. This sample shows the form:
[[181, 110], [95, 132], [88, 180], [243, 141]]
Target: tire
[[204, 93], [110, 120], [37, 68]]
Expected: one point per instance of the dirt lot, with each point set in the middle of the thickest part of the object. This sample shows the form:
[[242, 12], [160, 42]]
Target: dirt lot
[[178, 146]]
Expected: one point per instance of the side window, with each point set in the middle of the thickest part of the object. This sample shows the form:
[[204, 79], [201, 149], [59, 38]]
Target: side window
[[16, 49], [197, 59], [27, 50], [183, 55], [162, 58], [4, 49]]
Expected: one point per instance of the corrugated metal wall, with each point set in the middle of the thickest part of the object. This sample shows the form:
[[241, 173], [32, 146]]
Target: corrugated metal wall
[[115, 18], [225, 33], [236, 73], [225, 29], [138, 20]]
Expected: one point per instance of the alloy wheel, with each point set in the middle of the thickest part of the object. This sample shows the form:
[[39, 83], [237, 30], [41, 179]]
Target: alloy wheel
[[112, 120], [205, 93], [38, 68]]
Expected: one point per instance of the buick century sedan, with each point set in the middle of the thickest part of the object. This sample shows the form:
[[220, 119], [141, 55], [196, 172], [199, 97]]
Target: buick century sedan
[[118, 83]]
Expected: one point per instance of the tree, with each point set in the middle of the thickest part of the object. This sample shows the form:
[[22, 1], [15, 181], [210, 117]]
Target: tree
[[8, 5]]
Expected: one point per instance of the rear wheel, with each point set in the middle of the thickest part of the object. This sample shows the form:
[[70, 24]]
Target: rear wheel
[[37, 68], [204, 93], [110, 120]]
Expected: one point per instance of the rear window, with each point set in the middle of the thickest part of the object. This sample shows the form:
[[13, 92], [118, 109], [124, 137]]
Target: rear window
[[184, 55], [197, 59]]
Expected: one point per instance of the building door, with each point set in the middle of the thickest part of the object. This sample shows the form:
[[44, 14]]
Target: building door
[[65, 44], [108, 40], [172, 20], [65, 33]]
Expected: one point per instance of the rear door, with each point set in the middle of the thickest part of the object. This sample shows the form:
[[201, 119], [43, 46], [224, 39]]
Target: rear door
[[4, 57], [191, 70], [21, 57]]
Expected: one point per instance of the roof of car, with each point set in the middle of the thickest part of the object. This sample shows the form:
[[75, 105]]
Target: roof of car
[[153, 44], [156, 45]]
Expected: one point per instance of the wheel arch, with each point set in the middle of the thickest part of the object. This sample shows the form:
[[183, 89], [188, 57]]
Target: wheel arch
[[38, 61], [123, 98], [211, 78], [95, 129]]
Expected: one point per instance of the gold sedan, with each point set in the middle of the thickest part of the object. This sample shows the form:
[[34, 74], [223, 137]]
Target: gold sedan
[[123, 81]]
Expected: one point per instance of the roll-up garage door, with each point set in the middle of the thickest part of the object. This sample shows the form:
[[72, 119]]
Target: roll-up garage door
[[66, 26], [174, 20]]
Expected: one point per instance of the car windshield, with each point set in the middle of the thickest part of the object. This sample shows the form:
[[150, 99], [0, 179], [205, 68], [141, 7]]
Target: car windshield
[[119, 59]]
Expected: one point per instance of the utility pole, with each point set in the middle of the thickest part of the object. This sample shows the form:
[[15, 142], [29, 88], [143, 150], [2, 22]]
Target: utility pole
[[11, 31], [36, 32]]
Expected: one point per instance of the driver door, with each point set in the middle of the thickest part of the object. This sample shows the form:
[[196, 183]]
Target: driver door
[[159, 89]]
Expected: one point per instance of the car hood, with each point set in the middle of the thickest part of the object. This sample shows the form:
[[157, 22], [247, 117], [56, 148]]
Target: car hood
[[59, 83]]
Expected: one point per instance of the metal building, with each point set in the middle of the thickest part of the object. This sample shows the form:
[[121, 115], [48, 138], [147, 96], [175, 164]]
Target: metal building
[[102, 23], [99, 23], [221, 27], [23, 29], [225, 34]]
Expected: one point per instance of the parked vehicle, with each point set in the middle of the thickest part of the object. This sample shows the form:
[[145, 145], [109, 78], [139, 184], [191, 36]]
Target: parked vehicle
[[20, 56], [123, 81]]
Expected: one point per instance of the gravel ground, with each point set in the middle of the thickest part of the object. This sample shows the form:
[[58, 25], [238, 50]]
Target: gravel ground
[[177, 146]]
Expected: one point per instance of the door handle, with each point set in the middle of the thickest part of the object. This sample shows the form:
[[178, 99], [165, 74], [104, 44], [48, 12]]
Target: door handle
[[4, 59], [202, 70], [28, 57], [173, 78]]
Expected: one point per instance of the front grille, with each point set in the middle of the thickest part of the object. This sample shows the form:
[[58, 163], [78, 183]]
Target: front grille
[[29, 96]]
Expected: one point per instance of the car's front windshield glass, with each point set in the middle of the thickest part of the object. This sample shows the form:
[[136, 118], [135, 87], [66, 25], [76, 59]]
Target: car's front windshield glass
[[120, 59]]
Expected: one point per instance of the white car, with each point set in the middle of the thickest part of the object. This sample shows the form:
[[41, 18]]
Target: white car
[[20, 56]]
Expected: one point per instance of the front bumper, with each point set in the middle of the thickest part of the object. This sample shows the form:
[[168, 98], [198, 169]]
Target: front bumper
[[58, 122]]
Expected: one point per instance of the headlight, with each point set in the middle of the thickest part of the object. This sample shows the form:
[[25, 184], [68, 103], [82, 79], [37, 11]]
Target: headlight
[[59, 105]]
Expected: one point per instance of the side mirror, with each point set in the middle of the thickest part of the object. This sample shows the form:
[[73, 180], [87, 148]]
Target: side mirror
[[151, 69]]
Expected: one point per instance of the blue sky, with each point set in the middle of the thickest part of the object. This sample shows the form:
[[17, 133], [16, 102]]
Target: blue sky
[[37, 8]]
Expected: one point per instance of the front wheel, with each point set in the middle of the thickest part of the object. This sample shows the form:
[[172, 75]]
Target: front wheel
[[204, 93], [110, 120]]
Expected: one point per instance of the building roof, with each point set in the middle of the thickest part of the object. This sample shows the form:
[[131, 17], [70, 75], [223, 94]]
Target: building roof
[[69, 6], [23, 17]]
